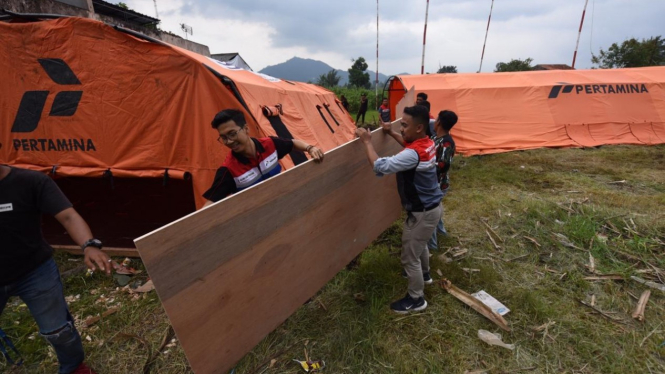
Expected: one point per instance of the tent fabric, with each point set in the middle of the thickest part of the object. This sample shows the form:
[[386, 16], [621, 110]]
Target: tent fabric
[[86, 98], [501, 112]]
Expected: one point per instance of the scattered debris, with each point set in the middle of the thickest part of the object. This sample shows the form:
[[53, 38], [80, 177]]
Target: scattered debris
[[651, 333], [604, 314], [438, 271], [532, 240], [492, 230], [460, 252], [92, 320], [470, 271], [311, 366], [593, 300], [518, 258], [651, 284], [147, 287], [491, 302], [498, 248], [592, 264], [71, 298], [617, 182], [565, 241], [638, 314], [604, 277], [493, 339], [475, 304], [544, 326]]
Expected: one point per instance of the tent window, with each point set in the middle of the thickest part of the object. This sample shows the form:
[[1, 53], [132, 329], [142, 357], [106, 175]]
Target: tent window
[[275, 120], [318, 107], [331, 115]]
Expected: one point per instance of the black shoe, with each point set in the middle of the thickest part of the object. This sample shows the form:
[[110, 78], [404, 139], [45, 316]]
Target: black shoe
[[408, 304], [426, 277]]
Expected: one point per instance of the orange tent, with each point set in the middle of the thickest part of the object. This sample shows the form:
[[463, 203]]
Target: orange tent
[[83, 99], [500, 112]]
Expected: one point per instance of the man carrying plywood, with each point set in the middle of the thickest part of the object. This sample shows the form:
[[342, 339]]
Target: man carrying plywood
[[420, 195]]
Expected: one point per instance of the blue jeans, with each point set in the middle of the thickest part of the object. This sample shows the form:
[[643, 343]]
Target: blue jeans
[[41, 290], [433, 243]]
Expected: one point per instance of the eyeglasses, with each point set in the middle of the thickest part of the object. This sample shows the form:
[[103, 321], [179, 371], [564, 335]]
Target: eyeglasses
[[229, 137]]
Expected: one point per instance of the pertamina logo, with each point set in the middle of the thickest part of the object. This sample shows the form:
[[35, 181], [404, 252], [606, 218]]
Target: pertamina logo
[[597, 89], [64, 104]]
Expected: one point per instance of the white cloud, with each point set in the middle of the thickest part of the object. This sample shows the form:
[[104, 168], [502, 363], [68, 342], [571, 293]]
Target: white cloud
[[267, 32]]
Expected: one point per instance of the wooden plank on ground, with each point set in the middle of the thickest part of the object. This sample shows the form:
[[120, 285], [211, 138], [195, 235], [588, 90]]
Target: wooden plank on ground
[[230, 274]]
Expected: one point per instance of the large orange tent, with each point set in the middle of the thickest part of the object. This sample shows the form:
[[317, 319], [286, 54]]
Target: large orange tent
[[500, 112], [125, 120]]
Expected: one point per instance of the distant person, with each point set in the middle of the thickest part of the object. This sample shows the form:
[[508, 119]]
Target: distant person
[[251, 160], [445, 150], [345, 102], [430, 127], [420, 98], [384, 111], [27, 268], [363, 109], [420, 195]]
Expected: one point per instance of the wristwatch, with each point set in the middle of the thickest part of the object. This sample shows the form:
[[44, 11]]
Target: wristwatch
[[92, 243]]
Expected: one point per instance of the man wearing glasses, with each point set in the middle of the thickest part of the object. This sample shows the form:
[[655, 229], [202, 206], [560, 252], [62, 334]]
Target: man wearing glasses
[[251, 160]]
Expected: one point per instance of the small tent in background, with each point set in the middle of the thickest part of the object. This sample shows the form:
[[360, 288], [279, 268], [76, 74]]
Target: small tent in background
[[501, 112], [123, 121]]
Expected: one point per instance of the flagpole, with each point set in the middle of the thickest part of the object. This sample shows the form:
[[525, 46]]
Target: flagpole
[[485, 42], [579, 33], [376, 87], [422, 65]]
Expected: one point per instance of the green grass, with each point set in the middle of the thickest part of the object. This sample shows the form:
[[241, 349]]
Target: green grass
[[536, 194]]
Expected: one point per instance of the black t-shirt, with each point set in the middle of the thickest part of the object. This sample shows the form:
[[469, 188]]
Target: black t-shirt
[[24, 196]]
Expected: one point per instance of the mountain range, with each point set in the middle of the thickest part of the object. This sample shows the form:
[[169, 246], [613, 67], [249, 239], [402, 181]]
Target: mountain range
[[308, 70]]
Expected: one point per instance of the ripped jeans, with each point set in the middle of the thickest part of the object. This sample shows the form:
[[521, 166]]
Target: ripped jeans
[[41, 290]]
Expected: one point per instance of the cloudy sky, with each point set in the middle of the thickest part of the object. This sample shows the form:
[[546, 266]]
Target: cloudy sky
[[268, 32]]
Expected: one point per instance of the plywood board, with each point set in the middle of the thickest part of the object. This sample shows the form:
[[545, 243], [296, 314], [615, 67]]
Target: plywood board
[[230, 274], [409, 99]]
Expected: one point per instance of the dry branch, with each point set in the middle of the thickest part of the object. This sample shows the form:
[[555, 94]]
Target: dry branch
[[604, 314], [492, 240], [651, 284], [638, 314]]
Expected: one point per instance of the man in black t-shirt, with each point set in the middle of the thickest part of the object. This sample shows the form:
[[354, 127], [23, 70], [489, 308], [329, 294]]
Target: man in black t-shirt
[[27, 268]]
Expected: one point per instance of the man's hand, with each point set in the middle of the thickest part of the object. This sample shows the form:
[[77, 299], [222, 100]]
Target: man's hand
[[96, 258], [364, 134], [387, 128], [316, 154]]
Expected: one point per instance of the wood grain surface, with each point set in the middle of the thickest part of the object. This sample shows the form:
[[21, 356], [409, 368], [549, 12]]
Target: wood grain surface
[[229, 274]]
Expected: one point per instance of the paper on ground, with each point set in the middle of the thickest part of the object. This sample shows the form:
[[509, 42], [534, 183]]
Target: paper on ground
[[491, 302]]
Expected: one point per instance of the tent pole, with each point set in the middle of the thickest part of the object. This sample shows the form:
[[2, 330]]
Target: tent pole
[[579, 33]]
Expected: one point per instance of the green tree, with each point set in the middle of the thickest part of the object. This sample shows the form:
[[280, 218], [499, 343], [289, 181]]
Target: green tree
[[632, 53], [447, 69], [331, 79], [514, 65], [123, 5], [358, 77]]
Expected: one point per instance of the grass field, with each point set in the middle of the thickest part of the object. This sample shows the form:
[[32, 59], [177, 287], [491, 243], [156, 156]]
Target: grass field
[[548, 211]]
